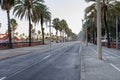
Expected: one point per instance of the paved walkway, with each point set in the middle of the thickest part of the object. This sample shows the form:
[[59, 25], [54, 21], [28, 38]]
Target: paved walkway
[[94, 69]]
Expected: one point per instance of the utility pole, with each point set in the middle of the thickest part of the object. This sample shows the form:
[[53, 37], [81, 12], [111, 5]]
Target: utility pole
[[99, 47]]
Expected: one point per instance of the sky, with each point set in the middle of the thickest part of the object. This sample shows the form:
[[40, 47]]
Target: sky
[[70, 10]]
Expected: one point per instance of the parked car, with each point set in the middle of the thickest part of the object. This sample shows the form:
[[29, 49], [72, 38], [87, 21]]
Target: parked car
[[6, 41], [104, 40]]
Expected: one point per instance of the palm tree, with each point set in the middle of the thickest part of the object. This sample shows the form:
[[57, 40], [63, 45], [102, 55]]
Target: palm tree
[[107, 9], [38, 36], [42, 17], [91, 14], [6, 5], [45, 15], [33, 34], [65, 27], [14, 26], [29, 9], [56, 25]]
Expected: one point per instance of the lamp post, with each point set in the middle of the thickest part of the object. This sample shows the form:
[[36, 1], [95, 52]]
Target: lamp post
[[86, 37], [99, 47], [50, 30], [48, 24], [116, 32], [86, 34], [0, 27]]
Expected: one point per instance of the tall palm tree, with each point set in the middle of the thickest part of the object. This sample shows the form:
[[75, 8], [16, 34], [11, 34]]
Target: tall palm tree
[[64, 27], [45, 15], [7, 5], [91, 14], [56, 24], [14, 24], [42, 17], [107, 9], [14, 27], [29, 9], [38, 35]]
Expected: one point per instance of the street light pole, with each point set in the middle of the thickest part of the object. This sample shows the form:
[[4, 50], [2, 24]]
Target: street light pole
[[0, 32], [116, 32], [86, 37], [99, 47], [50, 30], [86, 34], [0, 25]]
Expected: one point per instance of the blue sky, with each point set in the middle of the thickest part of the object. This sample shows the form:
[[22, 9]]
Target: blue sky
[[70, 10]]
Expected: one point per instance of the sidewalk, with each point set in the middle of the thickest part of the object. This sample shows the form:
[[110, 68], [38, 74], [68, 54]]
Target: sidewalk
[[94, 69], [8, 53]]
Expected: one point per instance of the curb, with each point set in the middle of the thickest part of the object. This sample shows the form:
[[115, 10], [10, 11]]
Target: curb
[[82, 66], [14, 55]]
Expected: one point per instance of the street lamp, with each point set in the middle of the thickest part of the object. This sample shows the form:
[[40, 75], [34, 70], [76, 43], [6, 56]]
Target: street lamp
[[86, 34], [50, 30], [117, 30], [0, 27], [99, 47]]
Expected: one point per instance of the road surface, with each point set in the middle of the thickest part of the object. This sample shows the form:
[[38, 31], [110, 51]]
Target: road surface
[[61, 62]]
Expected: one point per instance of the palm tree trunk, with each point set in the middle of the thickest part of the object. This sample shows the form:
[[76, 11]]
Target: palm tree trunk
[[42, 30], [9, 30], [107, 30], [106, 26], [29, 31], [56, 35]]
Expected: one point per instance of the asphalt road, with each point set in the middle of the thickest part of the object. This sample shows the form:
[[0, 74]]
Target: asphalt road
[[61, 62]]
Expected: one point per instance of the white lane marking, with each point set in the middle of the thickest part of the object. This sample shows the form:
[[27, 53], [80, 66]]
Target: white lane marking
[[111, 53], [110, 57], [96, 53], [106, 54], [115, 67], [19, 71], [46, 56], [2, 78]]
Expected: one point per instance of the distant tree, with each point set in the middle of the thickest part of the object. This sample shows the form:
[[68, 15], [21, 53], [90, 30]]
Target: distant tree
[[56, 25]]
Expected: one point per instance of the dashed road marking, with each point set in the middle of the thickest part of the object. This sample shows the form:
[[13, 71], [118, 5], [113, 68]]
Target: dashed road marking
[[115, 67], [47, 57], [111, 53], [2, 78]]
